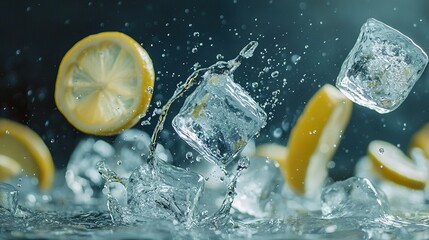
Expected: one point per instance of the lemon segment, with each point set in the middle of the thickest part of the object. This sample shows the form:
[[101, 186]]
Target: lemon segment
[[392, 164], [313, 140], [104, 83], [23, 145], [273, 151], [8, 167], [421, 140]]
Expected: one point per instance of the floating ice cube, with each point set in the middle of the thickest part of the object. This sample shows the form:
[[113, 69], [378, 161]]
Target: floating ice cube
[[132, 149], [82, 175], [219, 118], [259, 188], [8, 198], [170, 193], [382, 67], [354, 197]]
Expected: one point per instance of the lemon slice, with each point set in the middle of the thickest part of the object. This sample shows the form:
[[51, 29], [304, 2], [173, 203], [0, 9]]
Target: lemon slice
[[104, 83], [273, 151], [421, 140], [391, 163], [314, 139], [8, 167], [23, 145]]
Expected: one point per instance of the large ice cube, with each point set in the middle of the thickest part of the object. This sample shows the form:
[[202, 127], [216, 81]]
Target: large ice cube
[[382, 67], [170, 193], [82, 175], [132, 149], [8, 198], [219, 118], [259, 188], [354, 197]]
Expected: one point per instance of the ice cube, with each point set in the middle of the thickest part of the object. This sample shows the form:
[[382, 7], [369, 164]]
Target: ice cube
[[170, 193], [8, 198], [132, 149], [382, 67], [82, 175], [219, 118], [353, 197], [259, 188]]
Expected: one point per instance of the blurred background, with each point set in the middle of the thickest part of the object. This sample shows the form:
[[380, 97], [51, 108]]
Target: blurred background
[[302, 45]]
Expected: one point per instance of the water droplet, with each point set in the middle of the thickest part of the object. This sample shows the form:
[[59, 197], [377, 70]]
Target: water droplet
[[52, 140], [275, 74], [277, 133], [18, 52], [381, 150], [7, 132], [198, 158], [194, 50], [295, 58], [219, 57], [196, 34], [158, 103], [150, 90], [119, 162], [255, 84]]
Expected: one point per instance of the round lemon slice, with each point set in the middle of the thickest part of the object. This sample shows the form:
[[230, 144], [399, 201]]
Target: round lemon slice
[[21, 144], [8, 167], [392, 164], [104, 83], [421, 140], [273, 151], [314, 139]]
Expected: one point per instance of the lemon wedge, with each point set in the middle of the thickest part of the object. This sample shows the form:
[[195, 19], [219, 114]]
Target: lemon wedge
[[421, 140], [273, 151], [21, 144], [314, 138], [104, 83], [392, 164], [8, 167]]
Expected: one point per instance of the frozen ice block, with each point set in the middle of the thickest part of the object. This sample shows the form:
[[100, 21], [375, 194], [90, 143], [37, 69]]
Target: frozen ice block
[[354, 197], [259, 188], [219, 118], [170, 193], [82, 176], [8, 198], [382, 67]]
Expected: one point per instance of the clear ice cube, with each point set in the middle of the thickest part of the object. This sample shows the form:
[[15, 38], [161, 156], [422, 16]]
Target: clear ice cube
[[169, 193], [382, 67], [82, 175], [219, 118], [8, 198], [353, 197], [132, 149], [259, 188]]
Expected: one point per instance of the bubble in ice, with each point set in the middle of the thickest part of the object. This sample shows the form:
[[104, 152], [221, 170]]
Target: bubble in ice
[[381, 68]]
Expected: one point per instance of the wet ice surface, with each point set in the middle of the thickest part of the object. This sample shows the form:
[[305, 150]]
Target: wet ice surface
[[219, 118], [382, 67]]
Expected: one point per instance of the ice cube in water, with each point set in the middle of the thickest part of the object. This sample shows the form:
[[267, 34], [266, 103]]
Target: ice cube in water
[[82, 176], [170, 192], [382, 67], [259, 188], [353, 197], [8, 198], [219, 118]]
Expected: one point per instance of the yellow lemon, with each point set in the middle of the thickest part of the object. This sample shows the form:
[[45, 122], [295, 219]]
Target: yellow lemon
[[392, 164], [421, 140], [104, 83], [8, 167], [314, 138], [273, 151], [21, 144]]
